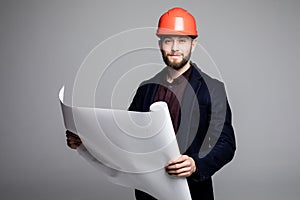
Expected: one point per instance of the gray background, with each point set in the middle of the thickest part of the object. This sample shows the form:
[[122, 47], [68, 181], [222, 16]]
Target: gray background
[[254, 43]]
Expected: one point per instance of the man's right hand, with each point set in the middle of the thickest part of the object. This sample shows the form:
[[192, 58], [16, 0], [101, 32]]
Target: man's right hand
[[73, 140]]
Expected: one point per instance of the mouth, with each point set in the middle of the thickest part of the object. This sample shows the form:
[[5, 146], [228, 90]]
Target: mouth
[[174, 55]]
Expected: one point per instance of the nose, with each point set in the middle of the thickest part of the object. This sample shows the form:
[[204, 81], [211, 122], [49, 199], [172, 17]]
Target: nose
[[174, 46]]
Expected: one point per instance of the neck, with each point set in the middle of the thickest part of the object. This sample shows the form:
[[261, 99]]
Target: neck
[[173, 74]]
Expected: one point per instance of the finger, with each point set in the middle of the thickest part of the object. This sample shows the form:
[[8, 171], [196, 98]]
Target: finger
[[182, 158], [73, 146], [74, 139], [179, 166], [72, 135], [186, 174], [69, 133], [182, 174], [186, 163], [179, 171]]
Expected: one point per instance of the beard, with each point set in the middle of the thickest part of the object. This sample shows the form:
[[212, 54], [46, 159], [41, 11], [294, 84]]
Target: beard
[[176, 65]]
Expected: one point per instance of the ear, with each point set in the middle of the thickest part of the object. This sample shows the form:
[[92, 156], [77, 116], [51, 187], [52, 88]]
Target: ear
[[194, 44], [159, 44]]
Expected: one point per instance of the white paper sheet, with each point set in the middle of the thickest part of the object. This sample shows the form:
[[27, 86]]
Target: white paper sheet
[[130, 148]]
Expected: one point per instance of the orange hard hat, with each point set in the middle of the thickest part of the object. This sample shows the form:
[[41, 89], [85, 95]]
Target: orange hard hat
[[177, 21]]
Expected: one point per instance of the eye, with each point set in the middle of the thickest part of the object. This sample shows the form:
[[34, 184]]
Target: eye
[[167, 41], [182, 40]]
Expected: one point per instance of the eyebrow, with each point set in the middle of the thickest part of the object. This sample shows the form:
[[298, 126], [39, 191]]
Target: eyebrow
[[180, 37]]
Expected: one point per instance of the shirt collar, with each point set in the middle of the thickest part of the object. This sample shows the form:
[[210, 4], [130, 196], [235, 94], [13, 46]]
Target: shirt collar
[[183, 77]]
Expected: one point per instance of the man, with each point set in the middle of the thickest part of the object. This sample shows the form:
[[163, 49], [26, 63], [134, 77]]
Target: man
[[197, 103]]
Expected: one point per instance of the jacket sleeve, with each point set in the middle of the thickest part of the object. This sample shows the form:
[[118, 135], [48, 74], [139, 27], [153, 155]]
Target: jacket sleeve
[[218, 146], [136, 102], [143, 97]]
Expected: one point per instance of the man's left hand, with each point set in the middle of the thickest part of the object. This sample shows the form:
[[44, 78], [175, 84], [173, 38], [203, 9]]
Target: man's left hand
[[184, 166]]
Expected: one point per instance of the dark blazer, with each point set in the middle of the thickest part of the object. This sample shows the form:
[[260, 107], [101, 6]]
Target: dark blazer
[[205, 132]]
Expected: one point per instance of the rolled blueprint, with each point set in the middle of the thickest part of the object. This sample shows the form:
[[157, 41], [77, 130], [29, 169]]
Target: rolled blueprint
[[130, 148]]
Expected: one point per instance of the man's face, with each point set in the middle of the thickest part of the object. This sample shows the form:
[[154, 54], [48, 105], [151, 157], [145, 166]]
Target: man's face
[[176, 50]]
